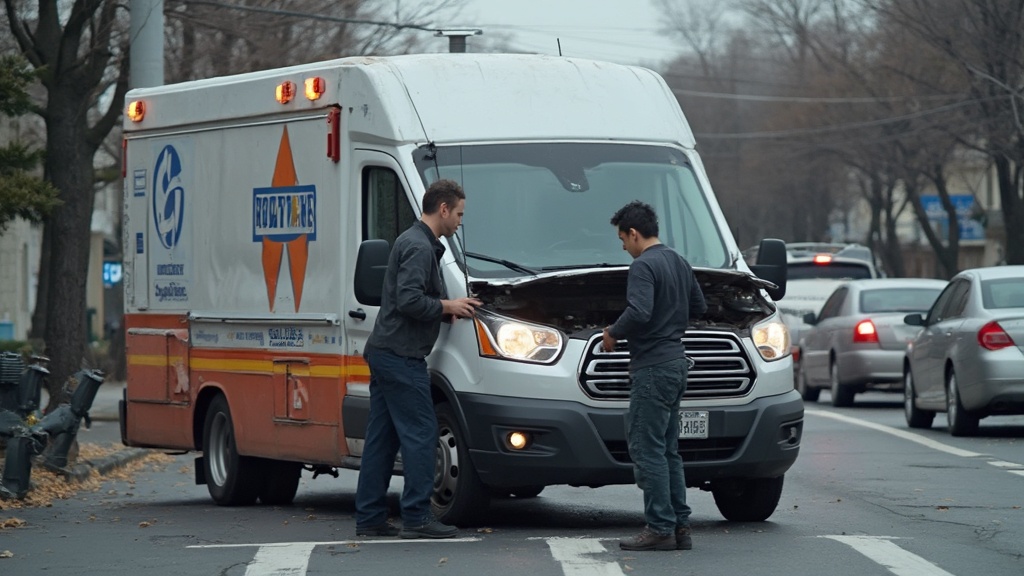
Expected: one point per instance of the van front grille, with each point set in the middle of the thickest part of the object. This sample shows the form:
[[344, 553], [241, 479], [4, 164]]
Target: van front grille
[[722, 368]]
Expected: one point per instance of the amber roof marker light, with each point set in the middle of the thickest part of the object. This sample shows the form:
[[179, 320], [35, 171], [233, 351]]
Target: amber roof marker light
[[136, 110]]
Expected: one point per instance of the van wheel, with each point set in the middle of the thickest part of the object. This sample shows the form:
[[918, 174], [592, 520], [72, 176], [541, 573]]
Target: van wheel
[[807, 393], [747, 499], [916, 418], [961, 422], [232, 480], [282, 482], [459, 496], [841, 395]]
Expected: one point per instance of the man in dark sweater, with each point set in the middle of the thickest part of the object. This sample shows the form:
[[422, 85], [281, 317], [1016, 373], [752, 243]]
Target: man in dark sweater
[[662, 295], [413, 303]]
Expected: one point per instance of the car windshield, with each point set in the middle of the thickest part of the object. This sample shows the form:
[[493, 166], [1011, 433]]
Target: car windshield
[[898, 299], [547, 206], [1002, 293], [806, 270]]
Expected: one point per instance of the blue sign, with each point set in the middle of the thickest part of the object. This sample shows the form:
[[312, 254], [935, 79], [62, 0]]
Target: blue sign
[[970, 229], [112, 272]]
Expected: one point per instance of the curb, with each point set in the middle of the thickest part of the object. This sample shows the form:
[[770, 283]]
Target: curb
[[104, 465]]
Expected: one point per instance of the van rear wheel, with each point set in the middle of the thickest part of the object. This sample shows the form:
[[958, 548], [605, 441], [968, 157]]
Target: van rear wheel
[[459, 496], [232, 479], [282, 482]]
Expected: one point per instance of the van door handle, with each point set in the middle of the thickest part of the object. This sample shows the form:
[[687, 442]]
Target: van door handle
[[358, 314]]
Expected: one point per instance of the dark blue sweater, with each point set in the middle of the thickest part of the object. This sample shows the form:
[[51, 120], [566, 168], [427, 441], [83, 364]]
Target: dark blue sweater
[[662, 295]]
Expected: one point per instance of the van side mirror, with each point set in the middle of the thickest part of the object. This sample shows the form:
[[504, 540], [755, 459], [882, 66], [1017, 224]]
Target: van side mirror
[[771, 266], [371, 265]]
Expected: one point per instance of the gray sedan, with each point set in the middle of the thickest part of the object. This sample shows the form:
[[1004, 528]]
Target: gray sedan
[[858, 340], [968, 360]]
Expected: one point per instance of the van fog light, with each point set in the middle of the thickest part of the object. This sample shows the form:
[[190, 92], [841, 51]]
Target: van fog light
[[517, 440]]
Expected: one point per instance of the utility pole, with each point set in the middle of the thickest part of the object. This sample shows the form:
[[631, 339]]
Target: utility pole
[[147, 43]]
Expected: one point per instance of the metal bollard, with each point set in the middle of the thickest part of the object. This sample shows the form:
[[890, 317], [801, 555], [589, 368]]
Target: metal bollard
[[62, 424]]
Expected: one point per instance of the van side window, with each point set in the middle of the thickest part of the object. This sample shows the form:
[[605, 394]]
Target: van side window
[[386, 209]]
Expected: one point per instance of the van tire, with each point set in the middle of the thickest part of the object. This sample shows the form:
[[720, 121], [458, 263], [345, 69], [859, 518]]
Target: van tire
[[459, 498], [747, 499], [282, 482], [232, 479]]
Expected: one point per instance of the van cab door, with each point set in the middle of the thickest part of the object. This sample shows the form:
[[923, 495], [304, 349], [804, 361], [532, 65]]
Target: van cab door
[[382, 207]]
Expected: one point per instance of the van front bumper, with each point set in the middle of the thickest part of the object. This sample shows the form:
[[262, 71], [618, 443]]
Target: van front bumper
[[585, 446]]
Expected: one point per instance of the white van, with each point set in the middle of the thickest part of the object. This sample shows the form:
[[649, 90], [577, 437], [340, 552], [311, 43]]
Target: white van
[[258, 213]]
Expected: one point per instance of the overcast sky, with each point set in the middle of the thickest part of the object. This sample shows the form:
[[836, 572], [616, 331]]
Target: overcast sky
[[623, 31]]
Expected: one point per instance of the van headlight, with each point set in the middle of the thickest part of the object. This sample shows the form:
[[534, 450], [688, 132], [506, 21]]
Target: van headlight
[[500, 337], [771, 339]]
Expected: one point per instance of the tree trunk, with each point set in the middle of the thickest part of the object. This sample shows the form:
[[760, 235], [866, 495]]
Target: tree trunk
[[69, 167], [1013, 210]]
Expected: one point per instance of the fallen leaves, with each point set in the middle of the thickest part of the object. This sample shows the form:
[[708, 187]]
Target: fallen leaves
[[11, 523], [6, 554], [47, 486]]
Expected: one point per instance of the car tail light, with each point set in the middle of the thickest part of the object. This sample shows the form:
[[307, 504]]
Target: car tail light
[[864, 332], [991, 336]]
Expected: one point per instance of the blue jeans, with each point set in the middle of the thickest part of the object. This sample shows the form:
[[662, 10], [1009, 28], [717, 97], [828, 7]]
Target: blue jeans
[[652, 431], [401, 417]]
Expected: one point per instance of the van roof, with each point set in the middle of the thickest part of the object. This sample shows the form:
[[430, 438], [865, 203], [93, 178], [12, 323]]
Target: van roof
[[445, 98]]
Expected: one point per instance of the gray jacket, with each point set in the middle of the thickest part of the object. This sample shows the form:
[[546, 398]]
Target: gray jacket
[[410, 310]]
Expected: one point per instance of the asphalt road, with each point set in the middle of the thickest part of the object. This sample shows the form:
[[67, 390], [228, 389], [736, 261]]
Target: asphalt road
[[867, 496]]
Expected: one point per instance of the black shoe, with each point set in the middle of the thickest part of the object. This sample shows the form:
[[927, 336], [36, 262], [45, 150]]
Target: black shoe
[[649, 540], [432, 529], [683, 539], [385, 529]]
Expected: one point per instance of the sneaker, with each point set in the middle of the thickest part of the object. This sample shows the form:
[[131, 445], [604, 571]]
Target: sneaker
[[683, 539], [432, 529], [649, 540], [385, 529]]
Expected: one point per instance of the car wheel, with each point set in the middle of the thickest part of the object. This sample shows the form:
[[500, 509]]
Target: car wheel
[[841, 395], [961, 423], [459, 496], [916, 418], [232, 480], [806, 392], [747, 499]]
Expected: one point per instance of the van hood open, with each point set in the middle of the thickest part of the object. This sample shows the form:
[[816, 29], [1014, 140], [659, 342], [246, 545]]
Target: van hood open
[[581, 301]]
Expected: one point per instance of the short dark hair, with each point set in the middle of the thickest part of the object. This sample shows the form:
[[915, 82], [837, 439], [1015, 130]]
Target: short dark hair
[[442, 192], [639, 216]]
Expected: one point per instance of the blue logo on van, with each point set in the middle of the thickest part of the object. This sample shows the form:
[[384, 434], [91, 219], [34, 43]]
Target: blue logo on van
[[168, 197]]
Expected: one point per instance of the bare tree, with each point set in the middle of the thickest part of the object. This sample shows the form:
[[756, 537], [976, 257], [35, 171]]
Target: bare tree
[[983, 40]]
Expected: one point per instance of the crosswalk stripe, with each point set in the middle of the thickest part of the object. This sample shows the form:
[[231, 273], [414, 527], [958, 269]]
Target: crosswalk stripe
[[896, 559], [281, 560], [572, 554]]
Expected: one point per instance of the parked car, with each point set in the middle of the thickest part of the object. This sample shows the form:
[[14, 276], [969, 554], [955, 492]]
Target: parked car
[[814, 270], [968, 360], [857, 342]]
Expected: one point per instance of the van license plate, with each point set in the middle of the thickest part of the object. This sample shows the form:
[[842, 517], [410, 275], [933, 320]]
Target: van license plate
[[693, 424]]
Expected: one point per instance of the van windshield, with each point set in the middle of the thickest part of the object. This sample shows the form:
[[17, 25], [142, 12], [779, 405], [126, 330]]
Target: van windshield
[[547, 206]]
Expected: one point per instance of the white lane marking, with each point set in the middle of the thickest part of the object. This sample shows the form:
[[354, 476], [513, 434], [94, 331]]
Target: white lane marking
[[1017, 472], [292, 558], [281, 560], [928, 442], [896, 559], [341, 542], [572, 554], [1005, 465]]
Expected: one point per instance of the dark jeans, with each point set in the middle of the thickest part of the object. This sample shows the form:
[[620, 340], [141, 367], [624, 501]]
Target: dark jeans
[[401, 416], [652, 431]]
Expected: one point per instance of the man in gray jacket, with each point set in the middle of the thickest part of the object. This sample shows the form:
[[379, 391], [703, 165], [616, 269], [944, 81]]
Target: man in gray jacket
[[413, 304], [662, 295]]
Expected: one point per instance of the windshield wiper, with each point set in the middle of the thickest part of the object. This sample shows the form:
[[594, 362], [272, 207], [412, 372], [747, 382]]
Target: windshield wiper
[[578, 266], [506, 263]]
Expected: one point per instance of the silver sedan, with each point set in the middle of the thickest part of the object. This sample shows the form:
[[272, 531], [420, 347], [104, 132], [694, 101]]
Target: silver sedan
[[857, 341], [968, 360]]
